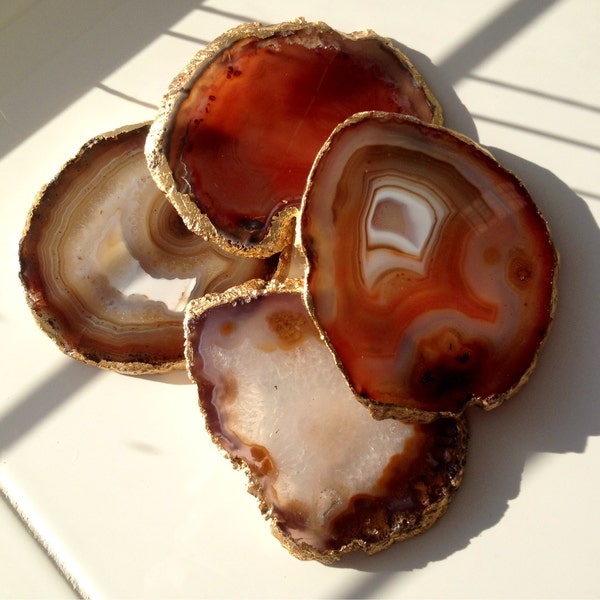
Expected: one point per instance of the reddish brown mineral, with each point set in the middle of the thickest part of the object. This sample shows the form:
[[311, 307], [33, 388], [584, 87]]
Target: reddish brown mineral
[[431, 270], [241, 126]]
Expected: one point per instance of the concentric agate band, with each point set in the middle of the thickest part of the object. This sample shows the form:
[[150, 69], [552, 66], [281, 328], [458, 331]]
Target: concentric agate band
[[431, 272]]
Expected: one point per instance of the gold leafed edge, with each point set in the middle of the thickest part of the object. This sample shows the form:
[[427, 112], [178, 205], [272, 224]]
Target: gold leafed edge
[[281, 230], [381, 410]]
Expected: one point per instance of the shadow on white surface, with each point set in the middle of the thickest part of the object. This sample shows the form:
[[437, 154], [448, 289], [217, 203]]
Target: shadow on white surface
[[241, 18], [49, 395], [456, 114], [476, 49], [544, 134], [55, 391], [123, 96], [93, 39], [493, 36], [536, 93]]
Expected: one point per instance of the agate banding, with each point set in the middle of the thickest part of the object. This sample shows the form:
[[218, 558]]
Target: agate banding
[[240, 127], [329, 477], [431, 271], [300, 231], [108, 265]]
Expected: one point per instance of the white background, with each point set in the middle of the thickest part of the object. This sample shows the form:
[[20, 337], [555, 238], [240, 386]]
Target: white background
[[114, 477]]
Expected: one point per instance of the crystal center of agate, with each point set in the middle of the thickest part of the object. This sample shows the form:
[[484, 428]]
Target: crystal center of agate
[[403, 217]]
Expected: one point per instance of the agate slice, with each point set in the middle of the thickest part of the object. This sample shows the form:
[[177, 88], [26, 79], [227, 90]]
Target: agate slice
[[328, 477], [240, 127], [108, 265], [431, 271]]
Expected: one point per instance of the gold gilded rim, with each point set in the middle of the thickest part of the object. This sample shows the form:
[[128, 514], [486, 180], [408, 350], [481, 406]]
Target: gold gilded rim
[[282, 228], [381, 410], [413, 524], [42, 318]]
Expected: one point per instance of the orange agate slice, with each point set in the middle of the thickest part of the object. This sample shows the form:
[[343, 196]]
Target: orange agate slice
[[431, 271], [240, 127]]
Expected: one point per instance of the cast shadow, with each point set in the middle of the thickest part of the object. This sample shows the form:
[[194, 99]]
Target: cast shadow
[[58, 389], [96, 42], [48, 396], [556, 412], [456, 115]]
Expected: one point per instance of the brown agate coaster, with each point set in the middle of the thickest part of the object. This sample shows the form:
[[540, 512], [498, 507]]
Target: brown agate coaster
[[431, 272], [240, 126], [108, 265], [329, 477]]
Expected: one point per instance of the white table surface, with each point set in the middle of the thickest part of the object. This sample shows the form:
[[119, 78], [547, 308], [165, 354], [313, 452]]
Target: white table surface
[[114, 478]]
